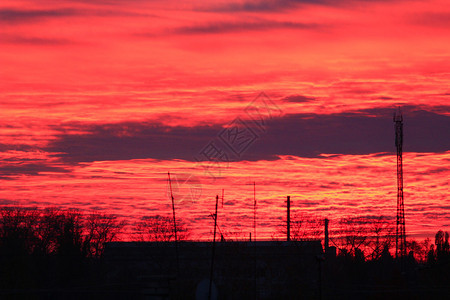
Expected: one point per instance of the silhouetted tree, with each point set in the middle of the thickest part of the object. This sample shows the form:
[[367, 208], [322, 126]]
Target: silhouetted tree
[[419, 249], [17, 242], [100, 229], [386, 255], [160, 228], [381, 234], [442, 245], [17, 234], [69, 240], [361, 235], [352, 236], [303, 226], [47, 230], [49, 248], [431, 256]]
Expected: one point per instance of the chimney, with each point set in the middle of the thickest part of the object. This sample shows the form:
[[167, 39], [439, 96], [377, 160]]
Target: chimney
[[326, 235]]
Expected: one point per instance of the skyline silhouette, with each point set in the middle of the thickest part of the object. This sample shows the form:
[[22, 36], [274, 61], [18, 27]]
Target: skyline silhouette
[[93, 115]]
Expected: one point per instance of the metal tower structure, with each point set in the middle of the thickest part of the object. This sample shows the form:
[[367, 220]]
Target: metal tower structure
[[400, 237]]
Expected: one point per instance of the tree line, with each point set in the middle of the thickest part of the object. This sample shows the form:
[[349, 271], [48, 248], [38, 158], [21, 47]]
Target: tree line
[[365, 237], [55, 232], [58, 232]]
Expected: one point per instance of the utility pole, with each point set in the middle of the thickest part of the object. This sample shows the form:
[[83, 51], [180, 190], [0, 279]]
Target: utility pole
[[288, 219], [400, 237]]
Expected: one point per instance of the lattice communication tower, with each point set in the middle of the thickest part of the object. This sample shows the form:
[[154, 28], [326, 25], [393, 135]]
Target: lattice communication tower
[[400, 237]]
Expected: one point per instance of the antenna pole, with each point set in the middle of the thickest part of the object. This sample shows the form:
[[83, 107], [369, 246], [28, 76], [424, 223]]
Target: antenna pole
[[174, 225], [288, 218], [254, 211], [213, 250], [254, 241]]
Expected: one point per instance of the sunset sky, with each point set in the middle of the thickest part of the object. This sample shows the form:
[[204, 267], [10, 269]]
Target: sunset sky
[[100, 99]]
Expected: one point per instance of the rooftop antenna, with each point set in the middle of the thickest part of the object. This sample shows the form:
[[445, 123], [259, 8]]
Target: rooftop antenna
[[174, 225]]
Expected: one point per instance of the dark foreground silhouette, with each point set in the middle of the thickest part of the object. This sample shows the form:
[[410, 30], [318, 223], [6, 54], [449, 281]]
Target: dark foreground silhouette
[[53, 254]]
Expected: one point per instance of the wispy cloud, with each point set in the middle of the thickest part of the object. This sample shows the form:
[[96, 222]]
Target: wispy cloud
[[260, 6], [298, 99], [273, 5], [241, 26], [14, 16], [33, 40]]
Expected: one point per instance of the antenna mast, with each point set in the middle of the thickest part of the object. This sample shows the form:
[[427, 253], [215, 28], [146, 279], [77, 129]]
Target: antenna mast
[[288, 218], [174, 224], [213, 250], [254, 211], [254, 241], [400, 237]]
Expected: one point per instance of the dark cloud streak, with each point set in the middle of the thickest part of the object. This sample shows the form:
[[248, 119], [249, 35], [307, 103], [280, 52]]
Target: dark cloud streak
[[29, 40], [261, 6], [277, 5], [29, 169], [305, 135], [225, 27], [132, 141], [298, 99], [13, 16]]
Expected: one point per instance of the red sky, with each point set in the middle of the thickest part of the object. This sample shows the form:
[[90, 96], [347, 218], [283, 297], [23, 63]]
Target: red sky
[[100, 99]]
